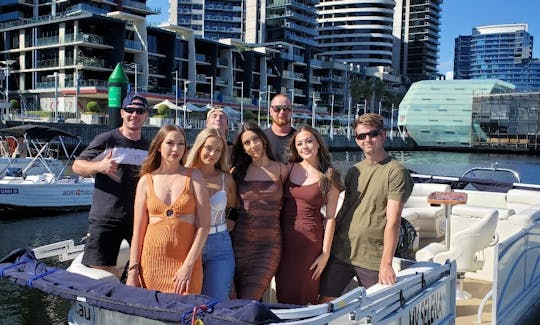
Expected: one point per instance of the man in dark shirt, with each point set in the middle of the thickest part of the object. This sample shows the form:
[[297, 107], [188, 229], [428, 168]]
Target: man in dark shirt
[[114, 157], [281, 131]]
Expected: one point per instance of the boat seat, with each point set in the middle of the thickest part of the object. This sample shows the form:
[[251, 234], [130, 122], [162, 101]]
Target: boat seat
[[469, 210], [464, 245], [98, 274], [518, 199], [429, 219]]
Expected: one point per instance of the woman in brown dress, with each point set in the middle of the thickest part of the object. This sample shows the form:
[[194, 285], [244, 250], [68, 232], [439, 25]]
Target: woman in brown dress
[[257, 232], [307, 234]]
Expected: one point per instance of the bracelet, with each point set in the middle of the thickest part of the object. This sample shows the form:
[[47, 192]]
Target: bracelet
[[135, 266]]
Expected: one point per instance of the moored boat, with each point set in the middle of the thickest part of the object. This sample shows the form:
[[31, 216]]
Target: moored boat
[[50, 190], [18, 147]]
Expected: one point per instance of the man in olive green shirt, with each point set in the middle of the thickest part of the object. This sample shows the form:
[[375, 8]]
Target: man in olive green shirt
[[367, 229]]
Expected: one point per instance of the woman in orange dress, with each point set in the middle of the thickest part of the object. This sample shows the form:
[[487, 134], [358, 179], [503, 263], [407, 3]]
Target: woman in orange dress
[[171, 219]]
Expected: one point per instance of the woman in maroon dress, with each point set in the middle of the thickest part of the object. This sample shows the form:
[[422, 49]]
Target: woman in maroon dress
[[257, 232], [307, 234]]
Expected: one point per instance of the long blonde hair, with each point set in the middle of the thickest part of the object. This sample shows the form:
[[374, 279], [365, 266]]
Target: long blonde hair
[[194, 155], [153, 161]]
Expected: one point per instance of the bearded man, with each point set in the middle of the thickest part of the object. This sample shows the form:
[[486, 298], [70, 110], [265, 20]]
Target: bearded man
[[281, 130]]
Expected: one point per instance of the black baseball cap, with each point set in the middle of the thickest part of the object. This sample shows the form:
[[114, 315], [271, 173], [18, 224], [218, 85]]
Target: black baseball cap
[[135, 101]]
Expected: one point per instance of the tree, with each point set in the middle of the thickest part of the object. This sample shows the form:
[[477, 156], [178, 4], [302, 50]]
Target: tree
[[163, 111], [14, 105], [92, 107]]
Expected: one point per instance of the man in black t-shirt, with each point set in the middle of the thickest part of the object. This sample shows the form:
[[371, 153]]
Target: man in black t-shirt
[[114, 157], [281, 131]]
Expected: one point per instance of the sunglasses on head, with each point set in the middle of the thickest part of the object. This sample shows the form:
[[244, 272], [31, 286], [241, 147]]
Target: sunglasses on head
[[284, 108], [372, 133], [130, 110]]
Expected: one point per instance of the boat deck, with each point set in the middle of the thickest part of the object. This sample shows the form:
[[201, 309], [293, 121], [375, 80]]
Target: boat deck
[[466, 309]]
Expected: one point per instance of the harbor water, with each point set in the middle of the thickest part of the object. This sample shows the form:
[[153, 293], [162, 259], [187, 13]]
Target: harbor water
[[20, 305]]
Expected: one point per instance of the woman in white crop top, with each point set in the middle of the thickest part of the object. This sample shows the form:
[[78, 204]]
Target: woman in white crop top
[[209, 155]]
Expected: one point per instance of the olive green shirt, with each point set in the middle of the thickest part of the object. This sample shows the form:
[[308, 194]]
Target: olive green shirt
[[359, 234]]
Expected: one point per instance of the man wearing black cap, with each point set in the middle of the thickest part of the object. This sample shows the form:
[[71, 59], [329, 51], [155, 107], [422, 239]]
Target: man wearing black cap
[[114, 157]]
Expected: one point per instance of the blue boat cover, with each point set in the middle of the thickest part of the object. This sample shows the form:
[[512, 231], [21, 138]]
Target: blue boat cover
[[22, 267]]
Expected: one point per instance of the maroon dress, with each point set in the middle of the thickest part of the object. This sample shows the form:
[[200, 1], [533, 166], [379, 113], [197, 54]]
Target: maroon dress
[[257, 237], [302, 229]]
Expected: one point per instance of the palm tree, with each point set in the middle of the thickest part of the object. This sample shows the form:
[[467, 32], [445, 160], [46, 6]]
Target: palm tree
[[370, 90]]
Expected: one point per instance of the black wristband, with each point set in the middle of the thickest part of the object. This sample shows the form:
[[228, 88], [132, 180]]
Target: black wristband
[[232, 214]]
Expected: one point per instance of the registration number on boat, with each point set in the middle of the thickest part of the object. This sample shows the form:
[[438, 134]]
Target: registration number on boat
[[82, 313], [430, 309]]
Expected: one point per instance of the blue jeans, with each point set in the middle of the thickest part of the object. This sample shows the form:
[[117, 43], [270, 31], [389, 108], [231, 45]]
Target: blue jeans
[[218, 266]]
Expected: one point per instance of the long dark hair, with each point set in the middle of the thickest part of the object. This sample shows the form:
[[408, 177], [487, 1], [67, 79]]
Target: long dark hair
[[331, 176], [240, 159]]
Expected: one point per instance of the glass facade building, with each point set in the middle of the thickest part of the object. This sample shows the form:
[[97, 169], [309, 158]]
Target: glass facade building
[[498, 52], [438, 113], [508, 120]]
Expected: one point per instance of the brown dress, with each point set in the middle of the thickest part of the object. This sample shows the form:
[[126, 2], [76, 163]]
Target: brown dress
[[257, 237], [302, 225], [167, 243]]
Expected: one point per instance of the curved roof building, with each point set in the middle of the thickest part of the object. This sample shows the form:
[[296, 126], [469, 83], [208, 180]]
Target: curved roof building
[[438, 113]]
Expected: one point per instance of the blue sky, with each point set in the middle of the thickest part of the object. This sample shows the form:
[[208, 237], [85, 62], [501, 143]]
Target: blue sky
[[458, 18]]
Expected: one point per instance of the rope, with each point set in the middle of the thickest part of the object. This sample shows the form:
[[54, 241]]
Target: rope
[[39, 276]]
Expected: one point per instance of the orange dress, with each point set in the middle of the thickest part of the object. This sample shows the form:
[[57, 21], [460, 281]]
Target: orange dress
[[167, 242]]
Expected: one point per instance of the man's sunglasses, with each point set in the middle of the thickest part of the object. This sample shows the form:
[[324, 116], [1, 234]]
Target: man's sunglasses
[[284, 108], [130, 110], [372, 133]]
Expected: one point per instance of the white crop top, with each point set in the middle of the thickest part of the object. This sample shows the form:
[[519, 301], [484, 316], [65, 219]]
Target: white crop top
[[218, 204]]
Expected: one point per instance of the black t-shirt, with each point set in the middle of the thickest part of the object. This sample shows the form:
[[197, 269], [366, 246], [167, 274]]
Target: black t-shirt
[[114, 196], [279, 144]]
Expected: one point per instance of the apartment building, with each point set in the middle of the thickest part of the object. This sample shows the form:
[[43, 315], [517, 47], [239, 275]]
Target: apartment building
[[416, 39], [502, 52]]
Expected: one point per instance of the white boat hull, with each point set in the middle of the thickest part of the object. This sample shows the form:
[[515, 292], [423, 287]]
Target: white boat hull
[[63, 194]]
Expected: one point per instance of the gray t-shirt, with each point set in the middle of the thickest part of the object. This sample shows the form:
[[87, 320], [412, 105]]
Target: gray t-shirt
[[279, 144]]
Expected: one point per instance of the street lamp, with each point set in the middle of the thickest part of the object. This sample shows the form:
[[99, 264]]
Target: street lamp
[[77, 68], [176, 96], [55, 76], [260, 103], [332, 118], [186, 82], [314, 109], [211, 91], [241, 101], [292, 106], [392, 122], [133, 66], [269, 89], [7, 63], [349, 119]]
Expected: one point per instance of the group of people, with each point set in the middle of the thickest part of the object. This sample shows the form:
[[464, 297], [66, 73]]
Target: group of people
[[223, 219]]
